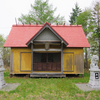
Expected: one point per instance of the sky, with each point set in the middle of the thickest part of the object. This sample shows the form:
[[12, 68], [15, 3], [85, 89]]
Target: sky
[[11, 9]]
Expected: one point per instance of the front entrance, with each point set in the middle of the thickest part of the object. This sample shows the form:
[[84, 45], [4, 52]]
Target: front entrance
[[47, 62]]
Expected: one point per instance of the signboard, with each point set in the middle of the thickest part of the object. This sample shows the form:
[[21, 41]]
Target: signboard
[[96, 75]]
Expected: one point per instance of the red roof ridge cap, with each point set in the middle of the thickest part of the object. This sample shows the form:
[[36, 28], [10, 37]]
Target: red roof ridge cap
[[41, 25], [27, 25], [47, 23], [66, 25]]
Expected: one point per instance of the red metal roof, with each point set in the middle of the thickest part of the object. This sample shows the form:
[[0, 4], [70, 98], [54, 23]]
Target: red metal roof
[[20, 35]]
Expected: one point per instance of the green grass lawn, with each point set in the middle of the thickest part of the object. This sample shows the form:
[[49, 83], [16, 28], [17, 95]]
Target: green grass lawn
[[48, 89]]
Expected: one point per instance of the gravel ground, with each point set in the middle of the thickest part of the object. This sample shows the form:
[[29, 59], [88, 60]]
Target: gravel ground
[[84, 87], [10, 86]]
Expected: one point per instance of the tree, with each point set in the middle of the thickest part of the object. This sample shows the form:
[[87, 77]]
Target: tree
[[6, 56], [5, 52], [1, 41], [40, 13], [94, 44], [76, 12], [96, 34], [86, 20]]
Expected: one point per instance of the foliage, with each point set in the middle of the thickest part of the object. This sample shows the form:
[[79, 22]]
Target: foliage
[[96, 13], [86, 20], [2, 40], [6, 56], [94, 45], [40, 13], [76, 12], [96, 34], [5, 52]]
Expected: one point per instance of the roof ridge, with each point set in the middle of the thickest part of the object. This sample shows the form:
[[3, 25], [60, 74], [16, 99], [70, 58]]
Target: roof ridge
[[66, 25], [38, 25], [27, 25]]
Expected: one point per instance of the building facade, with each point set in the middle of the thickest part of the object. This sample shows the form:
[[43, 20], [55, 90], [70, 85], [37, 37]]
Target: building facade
[[46, 50]]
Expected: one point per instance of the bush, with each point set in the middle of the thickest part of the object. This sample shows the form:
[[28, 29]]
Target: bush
[[5, 52], [6, 56]]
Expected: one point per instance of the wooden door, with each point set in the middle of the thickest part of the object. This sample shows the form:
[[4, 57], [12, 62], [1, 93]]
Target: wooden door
[[47, 62]]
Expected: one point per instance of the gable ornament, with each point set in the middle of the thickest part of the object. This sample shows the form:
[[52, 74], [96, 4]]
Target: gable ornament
[[47, 46]]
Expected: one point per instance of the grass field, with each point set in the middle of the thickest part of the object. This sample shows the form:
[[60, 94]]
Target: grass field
[[48, 89]]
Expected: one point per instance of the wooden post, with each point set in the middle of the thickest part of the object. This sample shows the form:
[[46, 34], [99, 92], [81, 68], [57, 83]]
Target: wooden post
[[62, 57], [11, 62], [31, 57]]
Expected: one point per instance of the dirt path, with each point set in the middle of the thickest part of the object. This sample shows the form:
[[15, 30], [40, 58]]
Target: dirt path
[[10, 86], [84, 87]]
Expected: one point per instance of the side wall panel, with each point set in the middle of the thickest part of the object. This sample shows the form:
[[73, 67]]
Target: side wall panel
[[68, 62], [21, 64], [25, 61], [73, 61], [11, 62]]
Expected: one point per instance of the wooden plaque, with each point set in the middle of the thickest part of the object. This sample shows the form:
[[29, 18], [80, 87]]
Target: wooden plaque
[[46, 46]]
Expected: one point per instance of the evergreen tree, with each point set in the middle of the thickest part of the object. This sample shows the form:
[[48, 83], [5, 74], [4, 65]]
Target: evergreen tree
[[96, 34], [75, 13], [40, 13]]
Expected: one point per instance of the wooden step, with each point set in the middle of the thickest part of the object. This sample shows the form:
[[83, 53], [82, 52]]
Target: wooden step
[[47, 75]]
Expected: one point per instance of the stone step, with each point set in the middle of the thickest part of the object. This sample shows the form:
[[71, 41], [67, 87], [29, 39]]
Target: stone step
[[47, 75]]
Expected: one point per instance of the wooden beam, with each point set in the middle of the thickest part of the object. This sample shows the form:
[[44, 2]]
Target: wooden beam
[[49, 43], [62, 57], [43, 41], [46, 73], [46, 50], [31, 57], [11, 62]]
